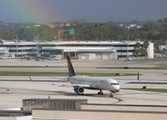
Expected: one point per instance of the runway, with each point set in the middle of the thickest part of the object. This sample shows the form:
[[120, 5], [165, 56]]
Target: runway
[[14, 89]]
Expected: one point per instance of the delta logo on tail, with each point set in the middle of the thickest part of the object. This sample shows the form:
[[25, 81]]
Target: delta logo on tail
[[70, 67], [79, 83]]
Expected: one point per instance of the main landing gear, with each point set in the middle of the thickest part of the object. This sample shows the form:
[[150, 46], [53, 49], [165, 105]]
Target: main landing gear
[[100, 93]]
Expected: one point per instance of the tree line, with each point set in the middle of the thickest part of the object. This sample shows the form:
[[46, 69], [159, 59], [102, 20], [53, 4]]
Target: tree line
[[151, 30]]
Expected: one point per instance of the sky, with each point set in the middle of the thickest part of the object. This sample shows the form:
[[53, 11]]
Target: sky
[[90, 10]]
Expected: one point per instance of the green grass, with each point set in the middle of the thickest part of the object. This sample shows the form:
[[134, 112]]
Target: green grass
[[141, 68], [144, 68], [148, 89], [15, 73], [32, 66]]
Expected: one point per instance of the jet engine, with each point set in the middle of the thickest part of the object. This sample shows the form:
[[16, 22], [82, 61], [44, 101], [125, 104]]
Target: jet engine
[[79, 90]]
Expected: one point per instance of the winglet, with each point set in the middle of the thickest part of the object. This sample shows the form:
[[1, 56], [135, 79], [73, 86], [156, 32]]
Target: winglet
[[138, 76], [30, 78]]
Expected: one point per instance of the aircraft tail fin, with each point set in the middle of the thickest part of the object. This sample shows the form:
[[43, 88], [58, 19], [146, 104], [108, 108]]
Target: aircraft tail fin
[[70, 66]]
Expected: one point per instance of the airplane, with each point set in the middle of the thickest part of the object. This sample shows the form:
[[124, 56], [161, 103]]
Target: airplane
[[25, 58], [37, 58], [79, 83]]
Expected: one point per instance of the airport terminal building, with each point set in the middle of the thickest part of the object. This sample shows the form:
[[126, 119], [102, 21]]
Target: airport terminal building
[[77, 49], [17, 49]]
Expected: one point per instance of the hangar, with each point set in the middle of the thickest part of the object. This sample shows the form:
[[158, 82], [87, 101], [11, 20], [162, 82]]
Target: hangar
[[83, 52]]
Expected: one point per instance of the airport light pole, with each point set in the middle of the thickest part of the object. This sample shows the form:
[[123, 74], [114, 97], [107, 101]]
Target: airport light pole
[[59, 32], [127, 46], [36, 37], [17, 44]]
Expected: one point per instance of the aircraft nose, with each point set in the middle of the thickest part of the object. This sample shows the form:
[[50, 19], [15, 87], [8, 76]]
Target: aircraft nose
[[116, 88]]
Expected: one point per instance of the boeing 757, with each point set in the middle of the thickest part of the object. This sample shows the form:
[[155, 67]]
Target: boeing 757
[[79, 83]]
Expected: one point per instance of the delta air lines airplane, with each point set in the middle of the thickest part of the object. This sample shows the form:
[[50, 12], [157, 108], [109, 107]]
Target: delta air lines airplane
[[79, 83]]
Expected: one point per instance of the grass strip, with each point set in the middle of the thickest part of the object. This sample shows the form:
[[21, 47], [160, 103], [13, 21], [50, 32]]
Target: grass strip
[[46, 66], [18, 73], [148, 89], [141, 68], [144, 68]]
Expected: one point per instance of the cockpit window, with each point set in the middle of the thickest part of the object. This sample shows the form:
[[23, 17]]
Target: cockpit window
[[114, 84]]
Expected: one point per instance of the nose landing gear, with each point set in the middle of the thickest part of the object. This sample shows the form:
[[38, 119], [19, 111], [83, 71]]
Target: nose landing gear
[[111, 95], [101, 93]]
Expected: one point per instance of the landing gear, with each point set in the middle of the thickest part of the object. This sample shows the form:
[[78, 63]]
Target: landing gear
[[100, 93], [111, 95]]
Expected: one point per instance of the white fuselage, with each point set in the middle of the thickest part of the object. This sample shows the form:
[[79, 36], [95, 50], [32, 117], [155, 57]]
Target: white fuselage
[[95, 82]]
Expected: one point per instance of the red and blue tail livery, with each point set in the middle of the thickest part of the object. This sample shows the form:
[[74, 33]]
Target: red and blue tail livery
[[79, 83], [70, 67]]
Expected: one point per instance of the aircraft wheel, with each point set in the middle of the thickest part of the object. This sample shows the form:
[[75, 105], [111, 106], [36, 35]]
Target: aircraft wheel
[[100, 93], [111, 95]]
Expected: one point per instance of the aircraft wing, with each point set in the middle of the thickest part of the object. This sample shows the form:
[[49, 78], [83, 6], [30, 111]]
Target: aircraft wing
[[73, 85], [60, 84], [129, 81]]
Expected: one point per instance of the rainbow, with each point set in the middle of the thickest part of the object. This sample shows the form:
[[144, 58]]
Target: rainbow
[[32, 10]]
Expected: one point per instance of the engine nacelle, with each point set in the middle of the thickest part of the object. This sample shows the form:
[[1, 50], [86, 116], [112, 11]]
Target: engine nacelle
[[79, 90]]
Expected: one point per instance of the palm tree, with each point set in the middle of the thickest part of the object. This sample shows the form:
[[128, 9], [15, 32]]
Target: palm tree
[[137, 49]]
